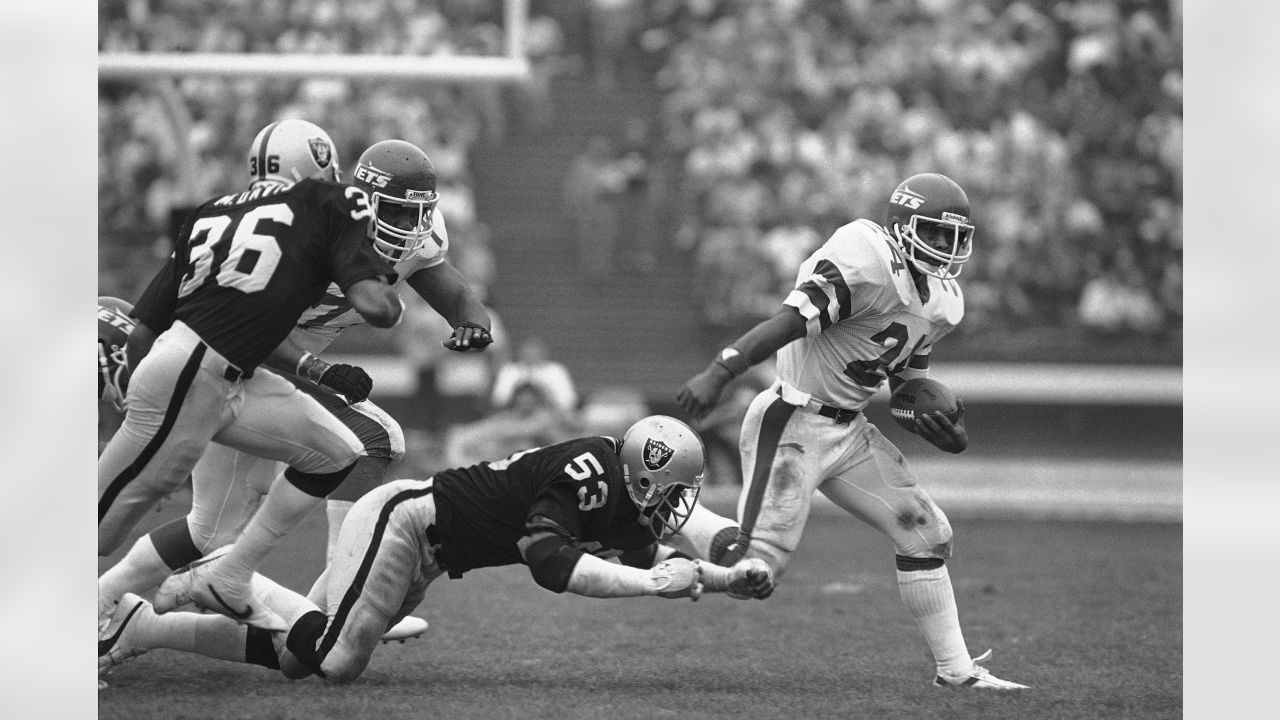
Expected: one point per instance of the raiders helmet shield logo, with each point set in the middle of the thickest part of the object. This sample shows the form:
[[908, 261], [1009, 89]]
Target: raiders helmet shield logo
[[657, 454], [320, 151]]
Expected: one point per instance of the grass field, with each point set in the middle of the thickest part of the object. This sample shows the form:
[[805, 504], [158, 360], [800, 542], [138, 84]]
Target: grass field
[[1089, 614]]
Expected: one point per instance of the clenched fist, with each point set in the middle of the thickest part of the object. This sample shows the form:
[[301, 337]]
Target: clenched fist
[[351, 381], [752, 578], [702, 391]]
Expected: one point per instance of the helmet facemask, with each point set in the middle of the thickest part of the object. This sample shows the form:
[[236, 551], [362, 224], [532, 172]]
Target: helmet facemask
[[937, 246], [401, 226], [665, 511], [113, 370]]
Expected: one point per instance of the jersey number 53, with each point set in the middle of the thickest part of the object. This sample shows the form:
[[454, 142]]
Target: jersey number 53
[[583, 468]]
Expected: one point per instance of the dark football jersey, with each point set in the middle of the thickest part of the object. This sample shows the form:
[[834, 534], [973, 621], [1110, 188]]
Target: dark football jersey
[[575, 487], [247, 265]]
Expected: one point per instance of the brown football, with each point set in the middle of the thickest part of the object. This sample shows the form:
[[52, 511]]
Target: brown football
[[922, 395]]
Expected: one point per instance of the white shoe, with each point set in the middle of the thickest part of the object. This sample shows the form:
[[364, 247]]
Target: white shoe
[[978, 678], [117, 646], [408, 627], [195, 584]]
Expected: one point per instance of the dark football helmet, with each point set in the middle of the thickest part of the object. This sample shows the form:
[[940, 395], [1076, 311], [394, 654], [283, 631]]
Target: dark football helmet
[[929, 215], [287, 151], [662, 464], [114, 326], [401, 183]]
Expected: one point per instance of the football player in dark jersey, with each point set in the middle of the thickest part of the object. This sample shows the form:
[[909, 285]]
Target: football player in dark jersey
[[561, 510], [245, 267], [407, 229]]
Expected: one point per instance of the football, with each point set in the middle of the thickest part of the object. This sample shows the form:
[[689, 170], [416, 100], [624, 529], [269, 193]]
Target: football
[[921, 395]]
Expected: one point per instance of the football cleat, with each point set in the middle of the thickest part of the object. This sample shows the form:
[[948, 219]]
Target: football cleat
[[117, 647], [409, 627], [195, 584], [978, 678]]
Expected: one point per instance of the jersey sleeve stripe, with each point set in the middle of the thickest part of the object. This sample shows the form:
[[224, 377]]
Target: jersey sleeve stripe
[[828, 270], [819, 300]]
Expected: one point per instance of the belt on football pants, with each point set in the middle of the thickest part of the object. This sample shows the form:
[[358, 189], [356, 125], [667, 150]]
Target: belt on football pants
[[840, 415]]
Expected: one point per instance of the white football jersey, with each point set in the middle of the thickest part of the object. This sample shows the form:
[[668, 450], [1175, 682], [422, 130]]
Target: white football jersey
[[864, 319], [324, 320]]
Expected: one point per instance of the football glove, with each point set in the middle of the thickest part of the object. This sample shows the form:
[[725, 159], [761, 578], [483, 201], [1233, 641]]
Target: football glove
[[468, 336], [679, 577], [750, 578], [351, 381]]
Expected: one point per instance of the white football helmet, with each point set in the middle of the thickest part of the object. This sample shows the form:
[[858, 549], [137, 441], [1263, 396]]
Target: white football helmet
[[662, 464], [287, 151]]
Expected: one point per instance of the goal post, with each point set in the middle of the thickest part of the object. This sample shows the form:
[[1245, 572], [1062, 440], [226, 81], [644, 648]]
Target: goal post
[[510, 67]]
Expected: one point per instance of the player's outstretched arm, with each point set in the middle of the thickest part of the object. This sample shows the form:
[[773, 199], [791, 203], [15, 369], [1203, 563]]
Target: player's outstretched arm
[[702, 391], [559, 567], [376, 301], [448, 293]]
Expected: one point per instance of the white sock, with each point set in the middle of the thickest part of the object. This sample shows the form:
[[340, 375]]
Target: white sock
[[210, 635], [282, 509], [931, 601], [281, 600], [336, 512], [140, 570]]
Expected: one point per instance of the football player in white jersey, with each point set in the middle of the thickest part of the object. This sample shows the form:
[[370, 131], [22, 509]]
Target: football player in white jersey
[[868, 305], [406, 229]]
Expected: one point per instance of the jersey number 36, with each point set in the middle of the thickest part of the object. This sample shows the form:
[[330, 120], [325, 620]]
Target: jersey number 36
[[250, 261]]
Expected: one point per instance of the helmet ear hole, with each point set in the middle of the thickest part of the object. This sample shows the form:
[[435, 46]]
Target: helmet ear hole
[[644, 482]]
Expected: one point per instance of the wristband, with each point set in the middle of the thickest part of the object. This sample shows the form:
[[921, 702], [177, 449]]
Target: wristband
[[732, 360], [311, 367]]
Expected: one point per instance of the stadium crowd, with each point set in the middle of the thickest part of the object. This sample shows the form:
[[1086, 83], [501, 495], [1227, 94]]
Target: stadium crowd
[[1063, 121], [784, 119]]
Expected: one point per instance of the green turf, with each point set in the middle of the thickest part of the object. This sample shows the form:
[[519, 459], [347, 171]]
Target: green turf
[[1089, 614]]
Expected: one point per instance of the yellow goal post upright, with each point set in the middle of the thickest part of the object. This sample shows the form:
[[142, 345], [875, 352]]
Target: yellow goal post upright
[[158, 71]]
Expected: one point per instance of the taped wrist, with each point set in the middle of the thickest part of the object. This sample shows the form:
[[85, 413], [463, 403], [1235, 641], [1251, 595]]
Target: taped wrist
[[732, 360], [715, 578], [593, 577], [311, 367]]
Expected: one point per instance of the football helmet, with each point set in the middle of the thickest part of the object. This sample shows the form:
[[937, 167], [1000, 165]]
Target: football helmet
[[401, 183], [287, 151], [929, 215], [662, 464], [114, 326]]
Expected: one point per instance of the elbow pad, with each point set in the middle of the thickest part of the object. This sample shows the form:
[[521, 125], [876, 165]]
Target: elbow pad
[[551, 562]]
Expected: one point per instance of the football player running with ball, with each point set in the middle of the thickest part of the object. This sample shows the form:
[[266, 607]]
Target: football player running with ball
[[561, 510], [407, 230], [245, 268], [868, 305]]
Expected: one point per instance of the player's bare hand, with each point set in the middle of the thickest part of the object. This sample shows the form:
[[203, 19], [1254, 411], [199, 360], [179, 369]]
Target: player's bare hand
[[752, 578], [351, 381], [468, 336], [702, 391], [942, 432], [680, 578]]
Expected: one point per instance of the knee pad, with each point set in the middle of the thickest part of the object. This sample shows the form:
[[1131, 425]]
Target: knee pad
[[317, 484]]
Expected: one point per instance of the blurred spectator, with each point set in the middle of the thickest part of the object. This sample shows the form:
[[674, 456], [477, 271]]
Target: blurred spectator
[[593, 186], [529, 419], [532, 365]]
